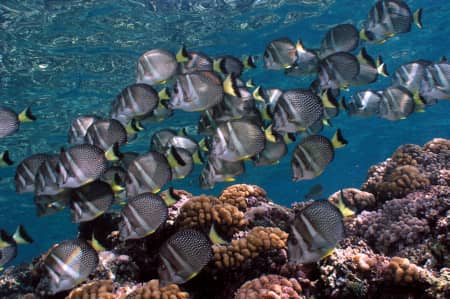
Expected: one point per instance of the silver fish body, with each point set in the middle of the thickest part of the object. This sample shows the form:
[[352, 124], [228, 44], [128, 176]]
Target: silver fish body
[[338, 70], [160, 138], [280, 54], [340, 38], [396, 103], [79, 127], [156, 66], [197, 61], [410, 75], [46, 181], [105, 133], [25, 176], [9, 122], [364, 103]]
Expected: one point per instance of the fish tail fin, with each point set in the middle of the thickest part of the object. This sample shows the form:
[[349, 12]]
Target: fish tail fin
[[327, 122], [363, 34], [257, 94], [182, 54], [202, 144], [215, 238], [164, 94], [417, 17], [299, 46], [21, 236], [268, 132], [250, 83], [174, 158], [381, 67], [133, 126], [289, 138], [328, 100], [113, 153], [229, 179], [217, 65], [171, 197], [419, 101], [5, 160], [26, 115], [96, 244], [249, 62], [198, 158], [182, 132], [230, 86], [338, 140], [266, 113], [343, 104], [117, 184], [363, 57], [345, 211]]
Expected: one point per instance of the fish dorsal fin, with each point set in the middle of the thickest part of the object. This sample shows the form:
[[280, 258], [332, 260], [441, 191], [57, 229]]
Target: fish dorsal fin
[[96, 244], [116, 184]]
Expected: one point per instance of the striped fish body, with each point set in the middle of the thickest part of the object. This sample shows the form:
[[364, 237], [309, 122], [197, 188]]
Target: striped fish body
[[105, 133], [79, 127], [279, 54], [9, 122], [340, 38], [46, 179], [197, 61], [155, 66], [396, 103], [25, 176], [364, 103]]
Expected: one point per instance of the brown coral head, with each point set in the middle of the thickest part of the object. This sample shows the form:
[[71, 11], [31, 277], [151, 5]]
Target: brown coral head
[[243, 195], [270, 286]]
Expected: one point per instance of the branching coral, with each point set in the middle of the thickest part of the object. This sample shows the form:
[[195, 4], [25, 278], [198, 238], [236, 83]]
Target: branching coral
[[258, 240], [270, 286], [403, 180], [98, 289], [153, 290], [355, 199], [243, 196]]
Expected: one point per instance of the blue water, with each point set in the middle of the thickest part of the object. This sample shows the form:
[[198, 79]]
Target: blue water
[[67, 58]]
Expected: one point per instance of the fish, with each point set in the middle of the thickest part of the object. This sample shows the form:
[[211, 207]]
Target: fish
[[296, 110], [280, 54], [196, 91], [5, 159], [90, 201], [192, 61], [183, 256], [10, 121], [25, 176], [80, 164], [314, 191], [410, 75], [8, 244], [160, 138], [436, 83], [156, 66], [237, 140], [388, 18], [340, 38], [148, 173], [186, 143], [136, 101], [363, 104], [313, 154], [50, 204], [273, 150], [79, 127], [162, 111], [68, 264], [369, 69], [218, 170], [234, 107], [46, 178], [142, 215], [338, 70], [396, 103], [316, 230], [104, 133], [307, 61], [228, 64], [115, 176]]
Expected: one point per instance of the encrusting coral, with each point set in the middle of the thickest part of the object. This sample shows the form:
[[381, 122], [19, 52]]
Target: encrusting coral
[[153, 290], [257, 241], [270, 286], [243, 196], [403, 180], [98, 289]]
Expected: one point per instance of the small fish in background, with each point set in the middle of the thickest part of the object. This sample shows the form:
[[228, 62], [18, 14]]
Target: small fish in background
[[296, 110], [314, 192], [156, 66], [5, 159], [280, 54], [8, 244], [196, 91], [363, 104], [369, 69], [136, 101], [388, 18], [338, 70], [25, 176], [46, 178], [307, 61], [142, 215], [398, 103], [82, 164], [315, 232], [148, 173], [227, 65], [183, 256], [90, 201], [51, 204], [79, 127], [10, 121], [237, 140], [218, 170], [192, 61], [68, 264], [340, 38], [313, 154], [104, 133]]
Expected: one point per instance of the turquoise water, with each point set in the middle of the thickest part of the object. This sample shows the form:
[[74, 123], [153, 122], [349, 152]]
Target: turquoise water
[[68, 58]]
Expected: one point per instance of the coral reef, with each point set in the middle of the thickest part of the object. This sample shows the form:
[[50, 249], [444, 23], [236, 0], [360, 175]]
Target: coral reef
[[396, 245], [270, 286]]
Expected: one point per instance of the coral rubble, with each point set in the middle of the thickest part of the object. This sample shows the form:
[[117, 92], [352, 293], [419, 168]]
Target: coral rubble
[[396, 244]]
